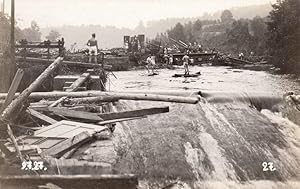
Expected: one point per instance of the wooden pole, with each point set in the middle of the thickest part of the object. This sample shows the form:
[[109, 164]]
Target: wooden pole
[[6, 114], [12, 38], [14, 141], [3, 7], [87, 100], [110, 95]]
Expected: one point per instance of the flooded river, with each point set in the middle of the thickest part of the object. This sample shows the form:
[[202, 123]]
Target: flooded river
[[221, 142]]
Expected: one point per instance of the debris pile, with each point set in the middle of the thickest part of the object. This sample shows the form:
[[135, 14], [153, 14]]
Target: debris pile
[[63, 121]]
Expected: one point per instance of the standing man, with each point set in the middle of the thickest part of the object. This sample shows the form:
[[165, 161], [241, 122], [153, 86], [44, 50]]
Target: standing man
[[171, 59], [185, 61], [150, 64], [93, 48]]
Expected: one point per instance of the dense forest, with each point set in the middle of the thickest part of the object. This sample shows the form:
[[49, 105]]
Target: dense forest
[[276, 36]]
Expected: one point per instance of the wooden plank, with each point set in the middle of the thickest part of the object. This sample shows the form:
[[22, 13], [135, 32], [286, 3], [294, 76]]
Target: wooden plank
[[119, 120], [67, 129], [75, 114], [13, 88], [41, 116], [134, 113], [77, 89], [69, 63], [78, 82], [58, 150]]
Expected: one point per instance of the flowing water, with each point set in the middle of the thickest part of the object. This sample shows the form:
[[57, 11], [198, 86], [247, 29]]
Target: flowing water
[[221, 142]]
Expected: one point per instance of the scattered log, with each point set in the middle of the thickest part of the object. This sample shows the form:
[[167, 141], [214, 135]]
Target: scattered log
[[152, 97], [61, 148], [87, 100], [13, 88], [133, 113], [93, 117], [109, 95], [41, 116], [6, 114], [185, 75], [58, 101], [78, 82], [185, 93]]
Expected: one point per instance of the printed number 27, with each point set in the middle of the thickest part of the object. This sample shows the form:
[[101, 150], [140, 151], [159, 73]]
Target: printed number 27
[[268, 166]]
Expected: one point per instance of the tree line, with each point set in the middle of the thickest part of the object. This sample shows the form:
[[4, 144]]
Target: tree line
[[276, 37], [31, 33]]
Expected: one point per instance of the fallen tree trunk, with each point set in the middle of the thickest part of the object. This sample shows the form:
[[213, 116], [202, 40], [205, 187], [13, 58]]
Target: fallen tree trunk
[[6, 114], [121, 96]]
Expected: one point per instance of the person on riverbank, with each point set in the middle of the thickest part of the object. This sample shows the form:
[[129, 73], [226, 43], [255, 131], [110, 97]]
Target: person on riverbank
[[150, 64], [185, 61], [171, 59], [93, 48], [241, 56]]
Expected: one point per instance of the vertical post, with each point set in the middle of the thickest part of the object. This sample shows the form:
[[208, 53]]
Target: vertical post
[[3, 7], [12, 39]]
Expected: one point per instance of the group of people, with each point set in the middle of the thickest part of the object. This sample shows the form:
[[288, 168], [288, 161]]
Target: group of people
[[185, 60], [195, 48]]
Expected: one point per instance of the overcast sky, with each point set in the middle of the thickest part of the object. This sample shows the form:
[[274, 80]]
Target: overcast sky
[[120, 13]]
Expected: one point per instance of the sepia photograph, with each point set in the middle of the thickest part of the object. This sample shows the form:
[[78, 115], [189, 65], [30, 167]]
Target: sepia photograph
[[149, 94]]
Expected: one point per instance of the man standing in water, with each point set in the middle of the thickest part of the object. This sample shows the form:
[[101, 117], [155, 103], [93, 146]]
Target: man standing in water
[[93, 48], [150, 64], [185, 61]]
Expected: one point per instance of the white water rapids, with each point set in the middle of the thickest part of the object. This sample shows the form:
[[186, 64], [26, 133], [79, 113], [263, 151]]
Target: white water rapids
[[221, 142]]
